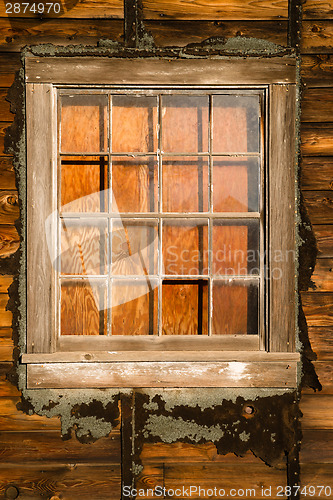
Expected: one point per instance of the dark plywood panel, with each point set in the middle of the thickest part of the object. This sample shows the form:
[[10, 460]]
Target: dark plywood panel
[[67, 481], [228, 9], [178, 33], [317, 139], [317, 37], [71, 10], [317, 173], [324, 237], [317, 71], [322, 342], [318, 308], [47, 446], [317, 411], [9, 64], [323, 275], [317, 105], [317, 446], [320, 206], [318, 9], [7, 175], [9, 240], [15, 33]]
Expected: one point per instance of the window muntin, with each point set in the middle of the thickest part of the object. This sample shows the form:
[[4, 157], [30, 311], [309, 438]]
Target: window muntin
[[161, 212]]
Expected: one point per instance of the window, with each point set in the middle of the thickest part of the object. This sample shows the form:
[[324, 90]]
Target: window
[[160, 245]]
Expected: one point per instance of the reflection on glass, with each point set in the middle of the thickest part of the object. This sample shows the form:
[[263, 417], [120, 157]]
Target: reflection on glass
[[185, 247], [83, 247], [134, 308], [185, 184], [235, 247], [84, 184], [185, 307], [235, 308], [134, 184], [84, 123], [83, 307], [134, 248], [184, 123], [134, 124], [235, 123], [235, 184]]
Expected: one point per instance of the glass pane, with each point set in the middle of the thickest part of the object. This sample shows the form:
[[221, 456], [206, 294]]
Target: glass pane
[[84, 184], [235, 308], [134, 184], [134, 307], [134, 248], [185, 307], [134, 124], [235, 247], [185, 247], [83, 247], [235, 184], [184, 123], [185, 184], [84, 123], [83, 307], [235, 123]]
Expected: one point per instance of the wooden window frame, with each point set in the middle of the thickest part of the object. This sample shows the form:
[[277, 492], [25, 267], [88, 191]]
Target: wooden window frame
[[236, 361]]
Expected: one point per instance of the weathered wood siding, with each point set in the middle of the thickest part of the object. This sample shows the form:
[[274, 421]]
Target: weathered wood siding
[[32, 453]]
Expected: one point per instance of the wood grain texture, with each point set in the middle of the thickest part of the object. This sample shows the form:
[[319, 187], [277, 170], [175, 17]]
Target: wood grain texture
[[5, 316], [42, 202], [5, 114], [281, 209], [7, 389], [179, 33], [317, 139], [163, 374], [317, 446], [317, 70], [3, 129], [152, 71], [318, 308], [317, 173], [324, 237], [317, 474], [15, 33], [9, 240], [320, 206], [5, 281], [323, 275], [324, 370], [7, 175], [9, 64], [11, 419], [317, 105], [317, 411], [9, 208], [317, 37], [6, 350], [322, 342], [228, 9], [318, 9], [74, 10], [68, 481]]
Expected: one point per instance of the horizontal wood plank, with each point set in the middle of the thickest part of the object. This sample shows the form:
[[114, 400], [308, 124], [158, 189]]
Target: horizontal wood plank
[[7, 389], [6, 350], [318, 308], [318, 9], [317, 37], [324, 237], [5, 282], [320, 206], [9, 240], [9, 207], [317, 105], [317, 70], [5, 114], [317, 139], [316, 446], [163, 374], [317, 173], [317, 411], [322, 342], [7, 175], [317, 475], [5, 316], [3, 129], [204, 9], [11, 419], [74, 10], [153, 71], [324, 370], [323, 276], [9, 64]]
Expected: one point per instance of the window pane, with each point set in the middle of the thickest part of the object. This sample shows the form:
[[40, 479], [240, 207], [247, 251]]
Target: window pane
[[84, 184], [134, 307], [235, 247], [134, 124], [235, 308], [134, 248], [84, 123], [185, 184], [235, 123], [83, 247], [184, 123], [184, 307], [235, 184], [134, 184], [83, 307], [185, 245]]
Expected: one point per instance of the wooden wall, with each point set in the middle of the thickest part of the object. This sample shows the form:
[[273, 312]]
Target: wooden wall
[[33, 457]]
